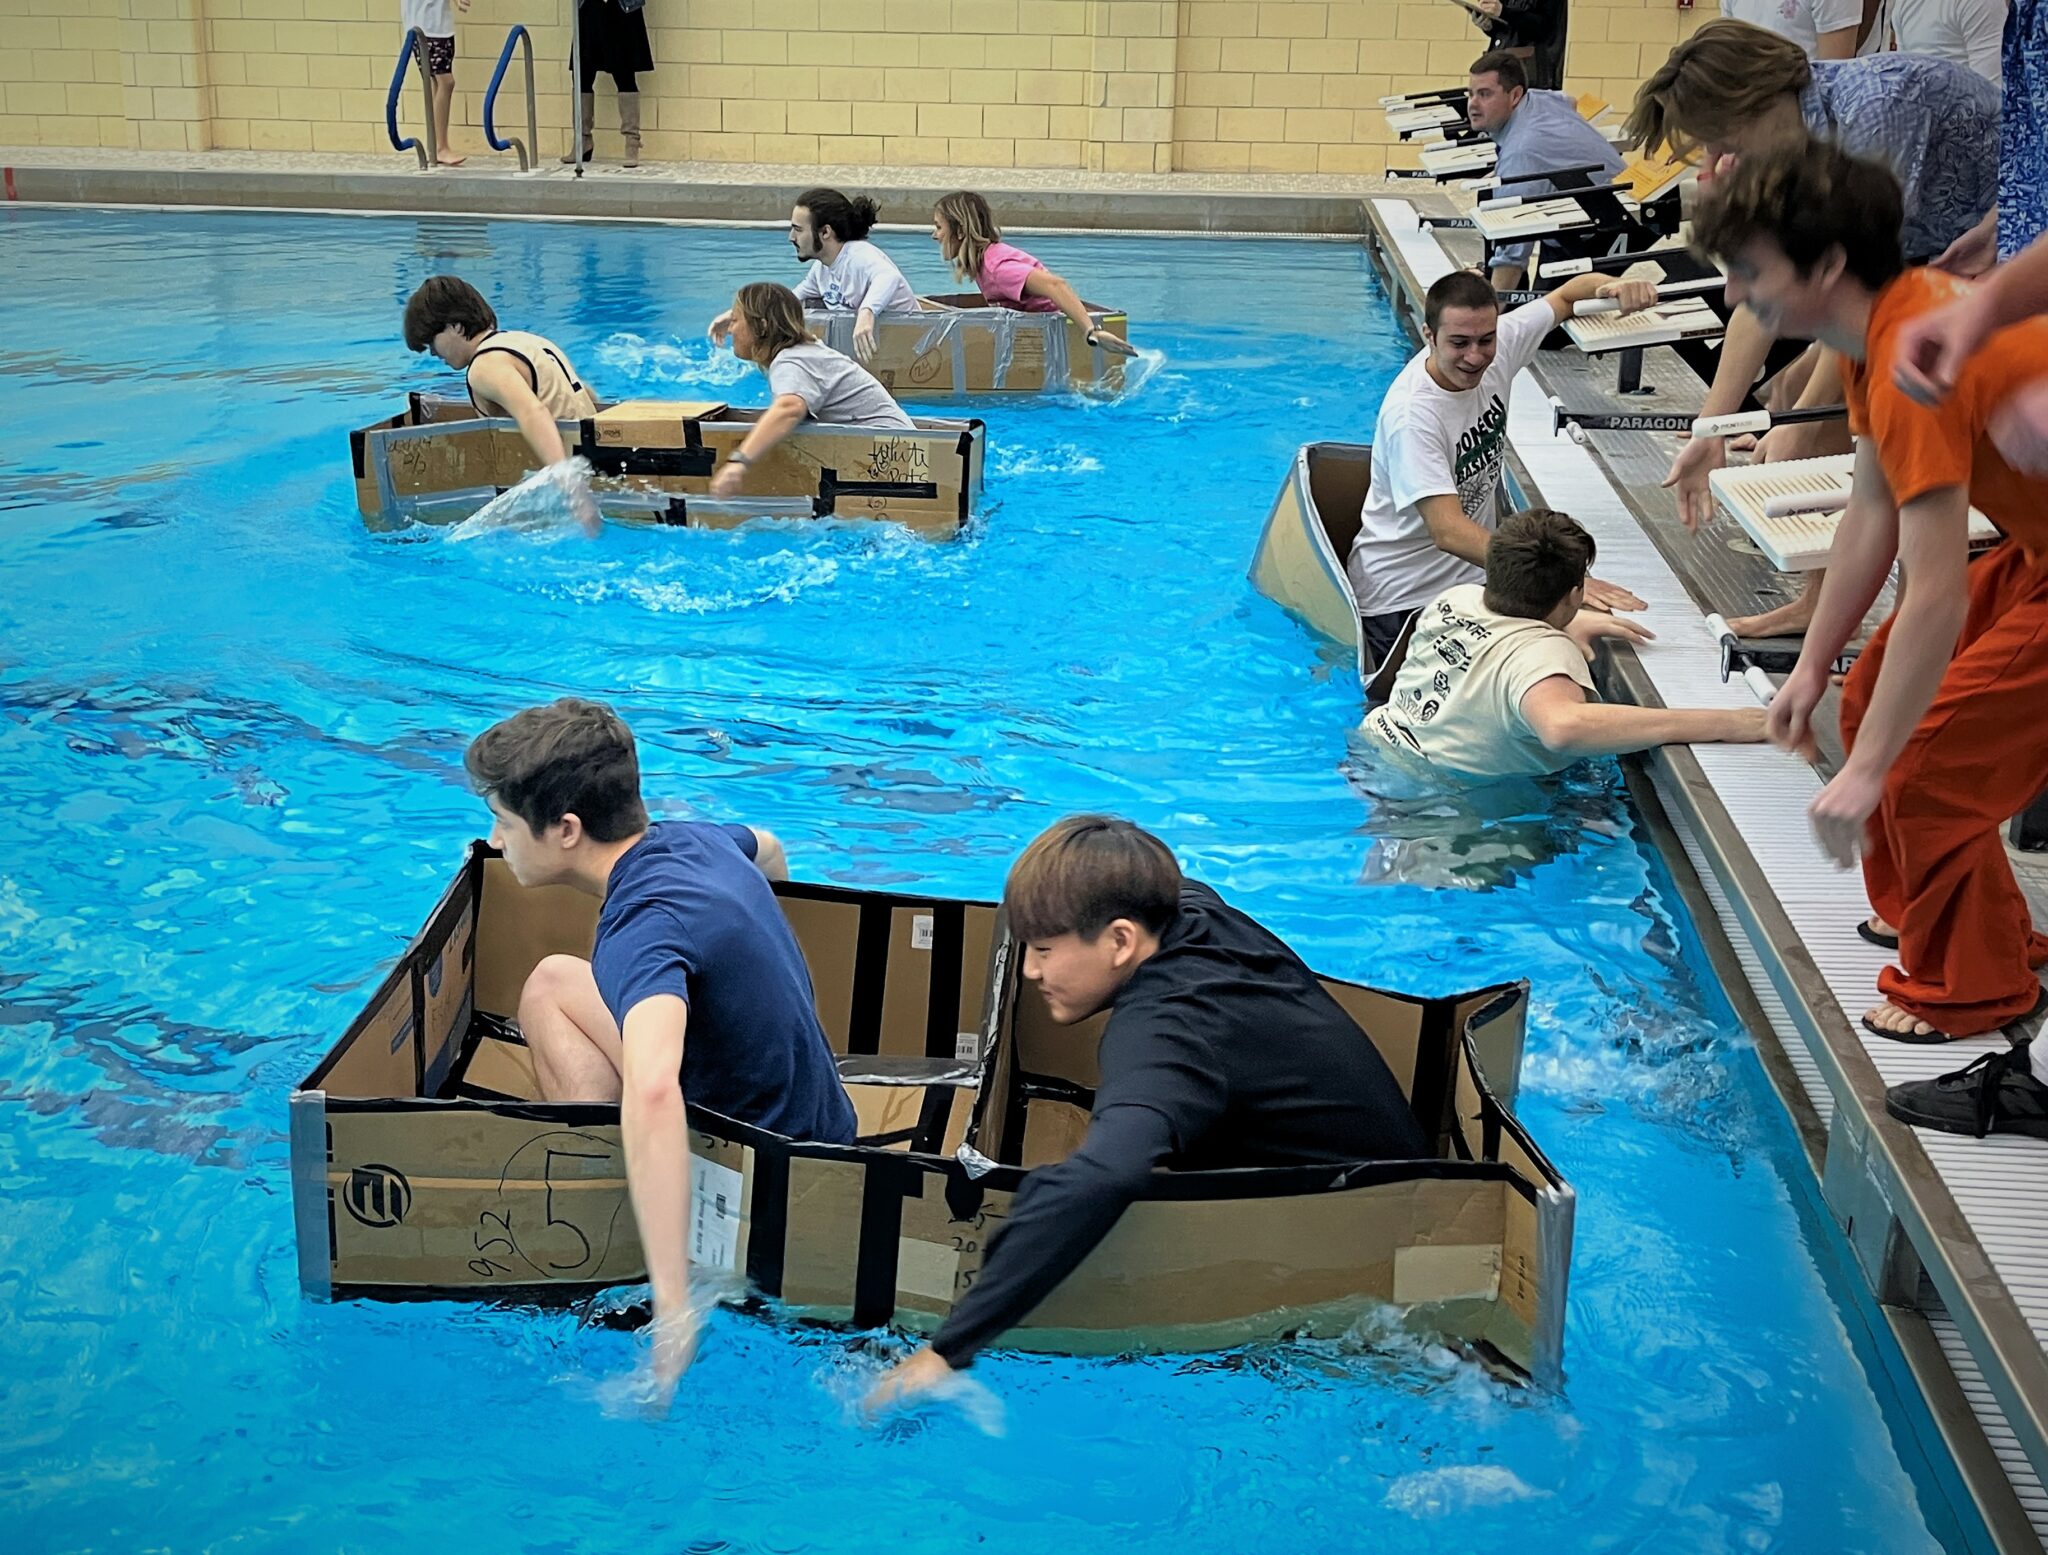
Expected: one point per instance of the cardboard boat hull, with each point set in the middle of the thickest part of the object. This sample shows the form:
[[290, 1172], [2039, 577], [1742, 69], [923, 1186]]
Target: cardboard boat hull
[[965, 345], [422, 1165], [1299, 563], [440, 462]]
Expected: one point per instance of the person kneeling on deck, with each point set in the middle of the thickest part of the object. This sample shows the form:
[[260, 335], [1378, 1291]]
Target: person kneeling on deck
[[1941, 714], [508, 372], [1440, 443], [810, 381], [1221, 1050], [695, 989], [1536, 132], [1495, 684], [843, 271]]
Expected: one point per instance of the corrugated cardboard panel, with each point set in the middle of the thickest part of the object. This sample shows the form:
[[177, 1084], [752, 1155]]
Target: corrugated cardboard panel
[[1519, 1287], [651, 423], [828, 934], [957, 1120], [457, 458], [504, 1068], [822, 1241], [1394, 1024], [379, 1059], [1208, 1261], [907, 992], [466, 1196], [519, 927], [978, 945], [886, 1109], [930, 1249], [447, 983], [1499, 1041], [1053, 1130]]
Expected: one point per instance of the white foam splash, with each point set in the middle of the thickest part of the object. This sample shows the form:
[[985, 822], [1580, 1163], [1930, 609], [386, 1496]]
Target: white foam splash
[[552, 502], [672, 361], [1055, 459], [1436, 1492]]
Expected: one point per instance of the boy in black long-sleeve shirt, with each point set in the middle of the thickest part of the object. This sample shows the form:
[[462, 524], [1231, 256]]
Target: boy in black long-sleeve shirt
[[1221, 1050]]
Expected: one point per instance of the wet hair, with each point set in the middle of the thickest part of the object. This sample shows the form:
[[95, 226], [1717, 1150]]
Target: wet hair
[[1459, 289], [443, 300], [1720, 78], [850, 220], [774, 318], [1807, 199], [569, 757], [1080, 875], [1533, 561], [968, 214], [1499, 62]]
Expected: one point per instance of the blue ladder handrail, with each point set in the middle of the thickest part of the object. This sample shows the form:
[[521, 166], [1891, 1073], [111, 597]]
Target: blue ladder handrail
[[513, 39], [404, 143]]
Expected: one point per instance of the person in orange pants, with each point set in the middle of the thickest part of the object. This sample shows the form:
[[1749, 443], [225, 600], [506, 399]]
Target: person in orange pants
[[1942, 717]]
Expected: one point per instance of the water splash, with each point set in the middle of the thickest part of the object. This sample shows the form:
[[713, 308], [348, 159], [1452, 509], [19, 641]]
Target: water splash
[[553, 503], [672, 361]]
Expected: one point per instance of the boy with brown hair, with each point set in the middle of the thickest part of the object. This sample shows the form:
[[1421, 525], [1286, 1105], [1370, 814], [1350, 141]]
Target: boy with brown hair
[[507, 372], [1222, 1049], [690, 941], [1941, 714], [1495, 683]]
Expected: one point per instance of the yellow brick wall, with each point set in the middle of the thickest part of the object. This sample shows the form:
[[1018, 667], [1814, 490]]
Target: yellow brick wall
[[1116, 85]]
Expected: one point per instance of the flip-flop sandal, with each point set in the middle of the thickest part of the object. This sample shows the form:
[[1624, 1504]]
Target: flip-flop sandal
[[1935, 1038], [1882, 941]]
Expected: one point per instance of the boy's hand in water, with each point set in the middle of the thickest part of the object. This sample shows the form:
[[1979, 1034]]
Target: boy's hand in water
[[649, 1389], [920, 1376]]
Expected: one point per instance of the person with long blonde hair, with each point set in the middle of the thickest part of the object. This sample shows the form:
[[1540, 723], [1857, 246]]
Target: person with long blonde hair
[[970, 241], [809, 380]]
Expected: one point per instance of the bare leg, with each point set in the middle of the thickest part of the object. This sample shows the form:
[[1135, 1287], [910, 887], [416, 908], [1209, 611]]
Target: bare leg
[[577, 1052], [444, 98], [1787, 620]]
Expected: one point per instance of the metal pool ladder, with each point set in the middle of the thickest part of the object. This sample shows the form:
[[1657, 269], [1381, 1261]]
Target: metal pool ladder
[[428, 153], [527, 148]]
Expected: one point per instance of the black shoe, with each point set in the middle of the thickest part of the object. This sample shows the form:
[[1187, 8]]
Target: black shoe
[[1997, 1094]]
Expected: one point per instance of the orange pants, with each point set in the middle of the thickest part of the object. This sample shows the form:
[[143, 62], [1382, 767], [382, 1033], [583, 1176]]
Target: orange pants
[[1935, 864]]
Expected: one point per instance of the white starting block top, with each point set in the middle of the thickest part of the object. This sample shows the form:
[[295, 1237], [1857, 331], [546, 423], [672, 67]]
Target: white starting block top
[[1532, 219], [1453, 157], [1790, 509], [1674, 319], [1407, 121]]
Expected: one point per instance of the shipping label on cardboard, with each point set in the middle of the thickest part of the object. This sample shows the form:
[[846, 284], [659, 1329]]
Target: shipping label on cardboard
[[714, 1214]]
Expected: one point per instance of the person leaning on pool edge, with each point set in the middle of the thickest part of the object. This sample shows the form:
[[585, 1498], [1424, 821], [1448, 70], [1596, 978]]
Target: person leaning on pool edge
[[691, 943], [1193, 1074]]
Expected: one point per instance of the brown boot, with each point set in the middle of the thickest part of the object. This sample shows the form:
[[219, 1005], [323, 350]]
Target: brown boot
[[589, 108], [629, 126]]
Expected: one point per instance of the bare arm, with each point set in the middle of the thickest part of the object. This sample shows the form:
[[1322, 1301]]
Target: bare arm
[[1866, 541], [499, 379], [777, 422], [1452, 531], [1839, 44], [1633, 296], [1557, 711], [1507, 278], [769, 856], [655, 1130], [1043, 283], [1805, 440], [1744, 349]]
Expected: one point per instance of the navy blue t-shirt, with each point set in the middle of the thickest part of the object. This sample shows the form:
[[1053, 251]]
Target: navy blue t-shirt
[[687, 913]]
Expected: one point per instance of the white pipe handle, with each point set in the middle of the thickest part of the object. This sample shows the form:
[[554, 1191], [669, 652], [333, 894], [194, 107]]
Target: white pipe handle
[[1732, 424], [1759, 683]]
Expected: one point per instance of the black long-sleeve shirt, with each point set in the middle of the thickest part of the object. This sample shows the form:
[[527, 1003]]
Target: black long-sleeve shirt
[[1222, 1050]]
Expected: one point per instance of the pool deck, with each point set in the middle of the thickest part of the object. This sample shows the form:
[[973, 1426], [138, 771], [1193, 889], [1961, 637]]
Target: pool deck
[[1307, 204], [1950, 1233]]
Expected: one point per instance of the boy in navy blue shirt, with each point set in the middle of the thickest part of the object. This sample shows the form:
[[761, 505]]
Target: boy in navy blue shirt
[[690, 941]]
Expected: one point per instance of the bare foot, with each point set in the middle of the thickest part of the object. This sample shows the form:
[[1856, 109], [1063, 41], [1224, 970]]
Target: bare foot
[[1877, 925], [445, 160], [1786, 621], [1893, 1021]]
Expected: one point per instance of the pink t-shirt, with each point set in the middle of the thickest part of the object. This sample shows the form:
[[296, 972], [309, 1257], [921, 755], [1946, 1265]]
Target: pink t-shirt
[[1003, 269]]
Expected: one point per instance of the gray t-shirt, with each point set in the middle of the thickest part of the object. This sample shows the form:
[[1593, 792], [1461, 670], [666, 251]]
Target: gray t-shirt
[[834, 388]]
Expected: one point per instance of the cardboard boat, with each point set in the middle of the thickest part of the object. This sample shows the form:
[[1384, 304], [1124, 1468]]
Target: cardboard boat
[[438, 461], [967, 345], [1299, 563], [423, 1165]]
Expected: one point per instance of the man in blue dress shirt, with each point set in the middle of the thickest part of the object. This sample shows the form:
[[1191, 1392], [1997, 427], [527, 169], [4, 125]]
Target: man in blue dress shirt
[[1536, 132]]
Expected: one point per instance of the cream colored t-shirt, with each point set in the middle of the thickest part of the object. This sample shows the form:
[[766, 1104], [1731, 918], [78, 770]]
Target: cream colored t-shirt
[[1457, 700]]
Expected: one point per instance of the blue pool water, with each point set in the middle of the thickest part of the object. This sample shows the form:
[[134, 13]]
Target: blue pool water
[[231, 725]]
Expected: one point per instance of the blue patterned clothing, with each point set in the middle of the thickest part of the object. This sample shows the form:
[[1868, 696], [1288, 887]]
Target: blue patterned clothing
[[1934, 123], [2023, 148]]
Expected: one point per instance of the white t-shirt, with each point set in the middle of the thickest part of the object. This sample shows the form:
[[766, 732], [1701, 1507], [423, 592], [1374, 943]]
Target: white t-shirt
[[1457, 700], [1431, 442], [837, 389], [1803, 21], [434, 18], [861, 277], [1970, 33]]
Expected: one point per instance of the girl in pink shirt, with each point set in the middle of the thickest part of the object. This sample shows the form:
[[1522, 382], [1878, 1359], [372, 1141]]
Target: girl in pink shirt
[[965, 229]]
